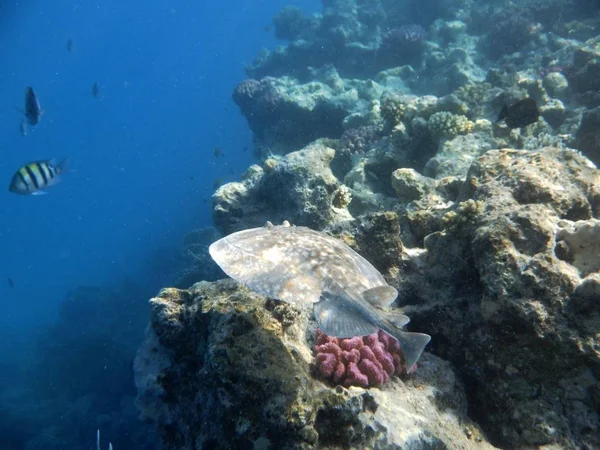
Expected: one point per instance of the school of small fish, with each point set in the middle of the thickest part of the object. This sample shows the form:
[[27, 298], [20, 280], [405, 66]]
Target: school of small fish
[[299, 265]]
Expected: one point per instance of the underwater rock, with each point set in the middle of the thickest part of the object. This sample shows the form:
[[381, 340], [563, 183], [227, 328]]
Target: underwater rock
[[506, 296], [455, 156], [556, 84], [411, 185], [285, 115], [232, 374], [299, 187], [588, 135], [291, 23], [584, 73]]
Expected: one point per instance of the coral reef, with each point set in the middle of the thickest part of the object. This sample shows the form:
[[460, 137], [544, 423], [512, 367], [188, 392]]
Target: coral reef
[[300, 188], [488, 232], [446, 124], [505, 288], [233, 376], [358, 361], [291, 23], [490, 270]]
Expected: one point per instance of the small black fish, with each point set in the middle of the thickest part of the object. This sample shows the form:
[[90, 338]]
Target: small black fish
[[95, 89], [217, 151], [70, 45], [520, 114], [32, 112], [11, 283]]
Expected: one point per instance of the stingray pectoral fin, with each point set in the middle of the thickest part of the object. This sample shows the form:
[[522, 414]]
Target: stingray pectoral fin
[[337, 319], [380, 296], [412, 345]]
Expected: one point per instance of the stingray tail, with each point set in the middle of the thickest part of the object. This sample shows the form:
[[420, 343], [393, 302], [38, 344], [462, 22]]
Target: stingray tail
[[412, 345]]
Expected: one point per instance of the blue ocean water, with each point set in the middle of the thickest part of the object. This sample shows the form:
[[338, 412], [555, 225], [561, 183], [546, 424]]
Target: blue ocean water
[[141, 155]]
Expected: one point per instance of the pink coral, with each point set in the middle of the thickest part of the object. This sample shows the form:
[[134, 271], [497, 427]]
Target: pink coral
[[359, 361]]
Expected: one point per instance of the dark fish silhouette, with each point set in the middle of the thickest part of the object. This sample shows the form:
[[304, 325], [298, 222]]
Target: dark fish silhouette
[[520, 114], [32, 112], [217, 151], [70, 45], [11, 283], [95, 89]]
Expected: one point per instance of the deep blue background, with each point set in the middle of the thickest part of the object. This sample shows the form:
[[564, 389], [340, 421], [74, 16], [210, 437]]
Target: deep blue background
[[142, 153], [143, 168]]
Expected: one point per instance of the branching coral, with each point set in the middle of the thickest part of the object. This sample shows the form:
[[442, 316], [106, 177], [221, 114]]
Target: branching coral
[[356, 140], [341, 197], [475, 95], [463, 214], [359, 361], [446, 124], [392, 109]]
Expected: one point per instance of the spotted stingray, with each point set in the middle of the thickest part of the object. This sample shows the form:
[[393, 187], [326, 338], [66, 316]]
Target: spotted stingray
[[300, 265]]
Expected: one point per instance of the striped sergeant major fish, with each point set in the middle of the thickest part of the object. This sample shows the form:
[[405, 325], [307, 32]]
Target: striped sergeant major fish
[[37, 175]]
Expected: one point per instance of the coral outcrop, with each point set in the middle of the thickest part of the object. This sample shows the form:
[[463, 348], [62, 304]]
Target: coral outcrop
[[299, 187], [501, 295], [501, 269], [234, 374]]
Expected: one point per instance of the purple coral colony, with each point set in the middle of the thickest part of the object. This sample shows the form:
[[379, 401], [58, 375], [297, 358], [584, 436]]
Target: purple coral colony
[[452, 144], [359, 361]]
